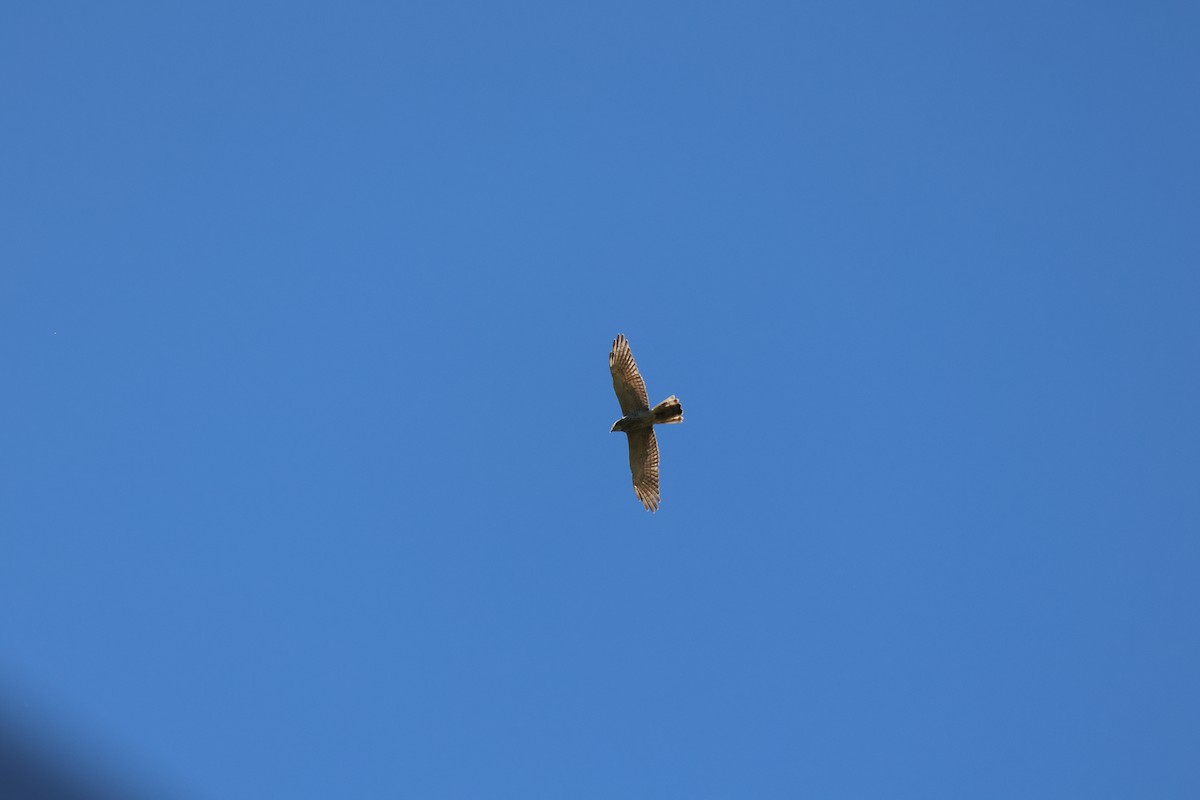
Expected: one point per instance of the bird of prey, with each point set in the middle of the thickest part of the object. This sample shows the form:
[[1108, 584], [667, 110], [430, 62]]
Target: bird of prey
[[638, 421]]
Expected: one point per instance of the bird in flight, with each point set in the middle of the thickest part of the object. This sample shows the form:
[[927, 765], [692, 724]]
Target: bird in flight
[[638, 421]]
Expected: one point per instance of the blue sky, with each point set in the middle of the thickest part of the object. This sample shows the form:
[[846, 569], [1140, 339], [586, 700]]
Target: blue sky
[[307, 488]]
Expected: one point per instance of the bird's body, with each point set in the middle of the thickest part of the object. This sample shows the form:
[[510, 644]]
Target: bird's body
[[667, 412], [639, 420]]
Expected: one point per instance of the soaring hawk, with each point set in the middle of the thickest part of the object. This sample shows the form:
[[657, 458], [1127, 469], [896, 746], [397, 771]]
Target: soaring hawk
[[639, 420]]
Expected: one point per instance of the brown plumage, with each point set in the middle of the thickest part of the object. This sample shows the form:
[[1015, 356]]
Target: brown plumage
[[639, 420]]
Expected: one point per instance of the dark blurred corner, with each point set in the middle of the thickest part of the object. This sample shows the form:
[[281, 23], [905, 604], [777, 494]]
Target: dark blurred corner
[[36, 765]]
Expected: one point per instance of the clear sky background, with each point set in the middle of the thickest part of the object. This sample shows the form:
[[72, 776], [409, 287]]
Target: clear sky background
[[307, 488]]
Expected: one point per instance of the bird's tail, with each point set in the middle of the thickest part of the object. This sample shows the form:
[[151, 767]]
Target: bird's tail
[[668, 411]]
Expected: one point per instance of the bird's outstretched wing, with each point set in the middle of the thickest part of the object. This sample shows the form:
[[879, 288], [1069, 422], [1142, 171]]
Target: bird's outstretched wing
[[643, 463], [627, 382]]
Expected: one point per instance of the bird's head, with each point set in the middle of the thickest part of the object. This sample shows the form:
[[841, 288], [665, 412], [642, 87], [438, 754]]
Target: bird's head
[[617, 426]]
